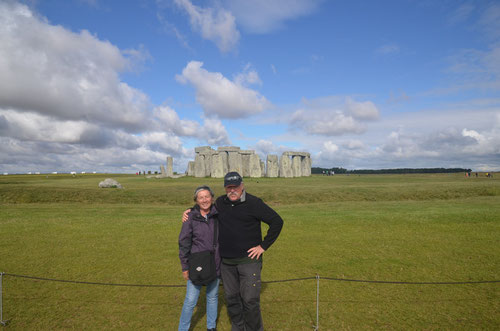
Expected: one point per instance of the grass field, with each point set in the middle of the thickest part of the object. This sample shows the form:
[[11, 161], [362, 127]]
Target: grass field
[[410, 228]]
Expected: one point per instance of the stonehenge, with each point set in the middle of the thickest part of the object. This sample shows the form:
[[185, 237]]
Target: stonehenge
[[216, 163]]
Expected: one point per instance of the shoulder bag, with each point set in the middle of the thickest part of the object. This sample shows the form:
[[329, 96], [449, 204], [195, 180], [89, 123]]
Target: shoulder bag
[[202, 268]]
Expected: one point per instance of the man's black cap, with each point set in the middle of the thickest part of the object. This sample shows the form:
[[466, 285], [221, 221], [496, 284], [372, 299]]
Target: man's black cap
[[232, 178]]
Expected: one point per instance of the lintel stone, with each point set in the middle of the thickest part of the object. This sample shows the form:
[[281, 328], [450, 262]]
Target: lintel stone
[[247, 152], [202, 149], [228, 149]]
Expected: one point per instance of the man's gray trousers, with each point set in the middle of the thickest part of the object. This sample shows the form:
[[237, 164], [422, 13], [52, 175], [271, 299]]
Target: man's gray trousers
[[242, 291]]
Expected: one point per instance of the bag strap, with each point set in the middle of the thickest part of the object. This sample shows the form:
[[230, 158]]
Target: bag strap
[[214, 243]]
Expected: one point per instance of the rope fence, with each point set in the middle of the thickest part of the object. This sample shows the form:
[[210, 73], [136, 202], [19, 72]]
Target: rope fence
[[317, 278]]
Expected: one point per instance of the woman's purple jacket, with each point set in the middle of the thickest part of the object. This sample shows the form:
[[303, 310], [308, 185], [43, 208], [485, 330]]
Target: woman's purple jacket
[[197, 235]]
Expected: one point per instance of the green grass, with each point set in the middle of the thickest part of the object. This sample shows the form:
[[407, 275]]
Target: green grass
[[415, 228]]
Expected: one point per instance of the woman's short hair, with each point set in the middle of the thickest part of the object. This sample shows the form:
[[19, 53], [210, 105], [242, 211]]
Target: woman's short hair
[[202, 188]]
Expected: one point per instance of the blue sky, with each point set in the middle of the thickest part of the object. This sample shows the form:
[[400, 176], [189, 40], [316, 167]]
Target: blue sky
[[117, 86]]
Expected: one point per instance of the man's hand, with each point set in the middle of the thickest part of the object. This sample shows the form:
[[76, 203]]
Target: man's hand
[[185, 274], [255, 252], [185, 215]]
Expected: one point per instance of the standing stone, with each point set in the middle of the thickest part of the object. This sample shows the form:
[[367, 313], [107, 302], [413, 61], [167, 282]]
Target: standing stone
[[262, 168], [254, 166], [225, 166], [234, 162], [245, 165], [208, 163], [272, 166], [245, 159], [170, 167], [306, 166], [190, 168], [163, 172], [296, 166], [199, 166], [285, 166], [217, 166]]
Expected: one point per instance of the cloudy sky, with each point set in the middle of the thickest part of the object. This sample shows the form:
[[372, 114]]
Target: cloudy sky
[[117, 86]]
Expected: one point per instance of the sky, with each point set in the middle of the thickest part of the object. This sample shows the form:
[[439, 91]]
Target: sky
[[117, 86]]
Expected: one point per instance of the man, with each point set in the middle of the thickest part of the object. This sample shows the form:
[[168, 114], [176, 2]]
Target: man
[[241, 248]]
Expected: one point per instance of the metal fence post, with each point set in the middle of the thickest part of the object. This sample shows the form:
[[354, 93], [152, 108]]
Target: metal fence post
[[317, 303], [2, 322]]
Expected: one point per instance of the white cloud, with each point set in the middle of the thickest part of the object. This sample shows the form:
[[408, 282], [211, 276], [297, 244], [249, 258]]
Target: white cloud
[[330, 147], [247, 77], [465, 142], [71, 76], [262, 16], [273, 69], [170, 29], [489, 22], [214, 132], [63, 105], [354, 145], [333, 116], [398, 97], [387, 49], [365, 110], [36, 127], [168, 119], [328, 156], [473, 68], [460, 148], [461, 14], [330, 123], [220, 96], [162, 142], [266, 147], [473, 134], [214, 24]]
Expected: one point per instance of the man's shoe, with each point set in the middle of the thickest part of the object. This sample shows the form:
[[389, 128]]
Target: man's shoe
[[214, 329]]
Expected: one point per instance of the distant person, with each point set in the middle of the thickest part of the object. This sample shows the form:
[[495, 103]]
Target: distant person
[[241, 247], [197, 235]]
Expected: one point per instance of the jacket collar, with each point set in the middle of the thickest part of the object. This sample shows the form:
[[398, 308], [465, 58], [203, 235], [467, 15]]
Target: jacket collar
[[197, 213]]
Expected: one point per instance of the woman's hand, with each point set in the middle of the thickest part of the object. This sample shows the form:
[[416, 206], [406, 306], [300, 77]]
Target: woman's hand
[[185, 274], [185, 215]]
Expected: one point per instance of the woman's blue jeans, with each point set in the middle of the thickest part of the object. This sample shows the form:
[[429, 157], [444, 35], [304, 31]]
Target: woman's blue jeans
[[192, 294]]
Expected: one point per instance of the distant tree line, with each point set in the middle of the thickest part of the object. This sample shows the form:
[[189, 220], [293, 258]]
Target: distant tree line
[[317, 170]]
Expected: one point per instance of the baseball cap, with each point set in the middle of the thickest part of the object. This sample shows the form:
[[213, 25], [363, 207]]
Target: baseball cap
[[232, 178]]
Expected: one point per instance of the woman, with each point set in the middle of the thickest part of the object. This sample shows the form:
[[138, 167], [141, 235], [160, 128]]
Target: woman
[[197, 234]]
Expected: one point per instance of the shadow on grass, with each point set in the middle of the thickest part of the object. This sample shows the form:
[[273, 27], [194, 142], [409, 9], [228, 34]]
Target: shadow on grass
[[201, 309]]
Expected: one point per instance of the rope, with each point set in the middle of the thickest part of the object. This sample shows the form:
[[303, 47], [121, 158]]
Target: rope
[[89, 283], [265, 282], [411, 283], [287, 280]]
